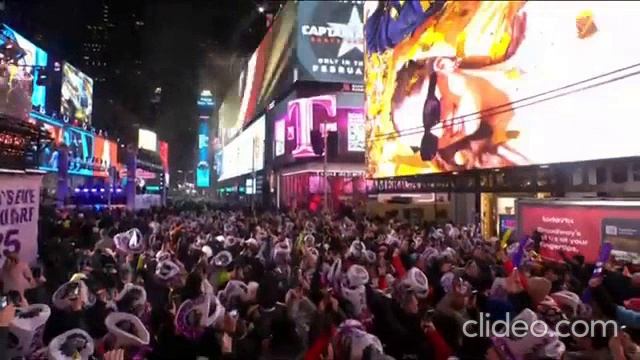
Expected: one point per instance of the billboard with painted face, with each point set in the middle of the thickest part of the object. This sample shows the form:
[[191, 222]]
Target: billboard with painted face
[[457, 85]]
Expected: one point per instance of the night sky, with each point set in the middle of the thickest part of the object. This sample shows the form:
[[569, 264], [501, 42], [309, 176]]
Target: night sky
[[184, 46]]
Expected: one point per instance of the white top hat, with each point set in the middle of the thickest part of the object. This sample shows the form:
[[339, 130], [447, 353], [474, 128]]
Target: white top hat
[[27, 328], [128, 329], [138, 294], [222, 259], [282, 250], [356, 249], [68, 292], [357, 275], [370, 256], [131, 241], [352, 335], [215, 312], [417, 282], [251, 242], [430, 253], [567, 299], [231, 241], [167, 270], [192, 315], [235, 289], [548, 345], [208, 252], [71, 345]]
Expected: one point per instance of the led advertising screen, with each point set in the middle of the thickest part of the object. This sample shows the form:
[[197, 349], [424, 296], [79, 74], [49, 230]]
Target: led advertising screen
[[581, 227], [77, 95], [266, 75], [18, 77], [206, 100], [217, 161], [106, 153], [456, 85], [164, 157], [244, 154], [330, 41], [292, 131], [203, 170], [81, 156], [49, 152], [147, 140]]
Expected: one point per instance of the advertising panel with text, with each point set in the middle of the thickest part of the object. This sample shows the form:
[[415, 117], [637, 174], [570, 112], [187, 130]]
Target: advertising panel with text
[[292, 130], [582, 228], [330, 41]]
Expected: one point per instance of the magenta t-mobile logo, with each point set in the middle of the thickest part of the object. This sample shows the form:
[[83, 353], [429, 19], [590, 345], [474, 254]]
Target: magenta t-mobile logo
[[300, 112]]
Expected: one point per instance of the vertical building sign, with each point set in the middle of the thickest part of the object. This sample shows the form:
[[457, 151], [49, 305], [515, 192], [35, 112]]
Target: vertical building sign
[[206, 105]]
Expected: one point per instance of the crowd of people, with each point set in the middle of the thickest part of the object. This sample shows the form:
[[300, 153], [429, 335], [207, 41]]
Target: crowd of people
[[226, 284]]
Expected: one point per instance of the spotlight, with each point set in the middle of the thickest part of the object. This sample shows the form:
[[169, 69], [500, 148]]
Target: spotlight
[[260, 9], [85, 190]]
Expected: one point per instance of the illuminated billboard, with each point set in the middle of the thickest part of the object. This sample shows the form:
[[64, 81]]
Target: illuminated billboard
[[330, 41], [77, 95], [49, 152], [147, 140], [266, 75], [203, 170], [106, 154], [206, 100], [244, 154], [458, 85], [19, 90], [164, 157], [292, 129], [81, 146]]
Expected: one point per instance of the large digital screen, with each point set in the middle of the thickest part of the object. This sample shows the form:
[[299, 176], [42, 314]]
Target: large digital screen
[[573, 227], [81, 146], [147, 140], [164, 157], [330, 41], [266, 75], [77, 95], [203, 170], [49, 152], [106, 154], [18, 77], [456, 85], [245, 153], [292, 131]]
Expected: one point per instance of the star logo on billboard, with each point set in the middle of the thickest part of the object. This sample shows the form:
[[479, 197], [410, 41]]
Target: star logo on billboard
[[351, 33]]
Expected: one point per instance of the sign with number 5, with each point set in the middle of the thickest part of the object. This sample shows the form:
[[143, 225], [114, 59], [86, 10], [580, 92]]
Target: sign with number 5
[[19, 209]]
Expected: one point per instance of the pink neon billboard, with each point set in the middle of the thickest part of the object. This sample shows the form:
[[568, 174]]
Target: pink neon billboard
[[292, 132]]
